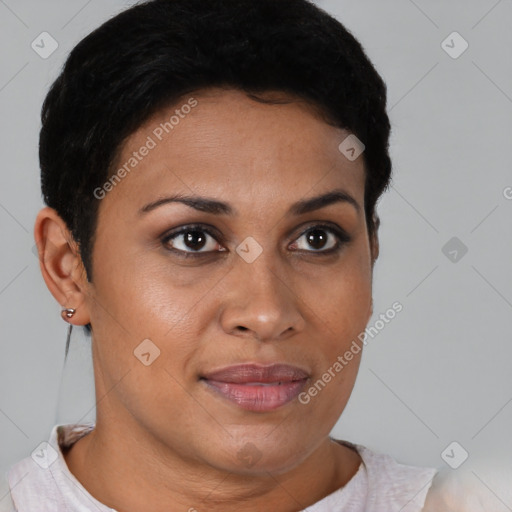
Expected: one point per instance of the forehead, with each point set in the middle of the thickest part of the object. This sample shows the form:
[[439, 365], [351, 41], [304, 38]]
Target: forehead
[[224, 141]]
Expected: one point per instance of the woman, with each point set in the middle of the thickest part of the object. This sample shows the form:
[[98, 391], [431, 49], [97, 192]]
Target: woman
[[211, 170]]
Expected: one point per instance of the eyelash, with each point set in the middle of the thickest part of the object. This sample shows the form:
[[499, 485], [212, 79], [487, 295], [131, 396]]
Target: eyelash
[[342, 239]]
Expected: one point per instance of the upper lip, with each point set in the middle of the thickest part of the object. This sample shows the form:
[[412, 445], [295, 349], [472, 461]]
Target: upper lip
[[251, 372]]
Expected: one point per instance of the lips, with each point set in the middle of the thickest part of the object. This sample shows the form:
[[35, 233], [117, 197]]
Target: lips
[[257, 374], [257, 388]]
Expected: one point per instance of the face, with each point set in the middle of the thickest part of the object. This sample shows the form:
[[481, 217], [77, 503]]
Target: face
[[265, 277]]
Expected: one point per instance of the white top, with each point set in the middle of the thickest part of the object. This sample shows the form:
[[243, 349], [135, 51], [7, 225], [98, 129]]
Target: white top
[[43, 482]]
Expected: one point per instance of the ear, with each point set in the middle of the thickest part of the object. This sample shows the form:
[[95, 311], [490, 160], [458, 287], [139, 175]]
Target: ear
[[374, 241], [374, 250], [61, 264]]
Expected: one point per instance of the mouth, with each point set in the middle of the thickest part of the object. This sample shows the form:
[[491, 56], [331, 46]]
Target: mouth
[[255, 387]]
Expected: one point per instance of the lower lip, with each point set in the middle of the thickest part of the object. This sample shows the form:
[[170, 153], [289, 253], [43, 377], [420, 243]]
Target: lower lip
[[257, 398]]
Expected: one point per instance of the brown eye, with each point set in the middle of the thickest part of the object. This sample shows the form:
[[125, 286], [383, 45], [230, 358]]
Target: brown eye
[[321, 239], [317, 238], [192, 240]]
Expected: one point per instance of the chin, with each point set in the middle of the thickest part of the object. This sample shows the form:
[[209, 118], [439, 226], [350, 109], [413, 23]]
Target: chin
[[253, 455]]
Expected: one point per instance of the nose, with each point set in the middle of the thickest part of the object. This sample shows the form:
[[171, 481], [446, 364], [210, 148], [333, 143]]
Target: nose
[[260, 302]]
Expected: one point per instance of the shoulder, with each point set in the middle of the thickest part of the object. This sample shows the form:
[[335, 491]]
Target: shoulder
[[6, 503], [35, 482], [31, 485], [482, 485], [393, 485]]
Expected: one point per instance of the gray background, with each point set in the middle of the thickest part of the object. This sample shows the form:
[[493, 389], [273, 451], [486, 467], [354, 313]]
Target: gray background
[[437, 373]]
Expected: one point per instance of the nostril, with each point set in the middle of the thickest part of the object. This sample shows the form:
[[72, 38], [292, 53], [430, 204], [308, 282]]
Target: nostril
[[242, 328]]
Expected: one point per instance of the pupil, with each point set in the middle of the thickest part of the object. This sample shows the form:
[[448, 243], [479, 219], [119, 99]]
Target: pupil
[[195, 239], [317, 238]]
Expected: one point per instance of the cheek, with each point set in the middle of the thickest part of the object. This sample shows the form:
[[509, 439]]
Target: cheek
[[146, 296], [340, 307], [134, 301], [327, 396], [340, 297]]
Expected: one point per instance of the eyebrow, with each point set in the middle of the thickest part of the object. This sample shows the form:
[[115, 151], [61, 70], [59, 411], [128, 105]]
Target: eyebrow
[[208, 205]]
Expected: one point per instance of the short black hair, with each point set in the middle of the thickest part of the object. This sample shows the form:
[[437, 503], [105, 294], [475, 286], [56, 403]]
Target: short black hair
[[156, 52]]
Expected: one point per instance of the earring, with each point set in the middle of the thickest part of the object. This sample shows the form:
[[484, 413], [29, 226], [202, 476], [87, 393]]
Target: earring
[[67, 312]]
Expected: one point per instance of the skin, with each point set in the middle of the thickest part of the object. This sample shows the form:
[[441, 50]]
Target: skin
[[163, 441]]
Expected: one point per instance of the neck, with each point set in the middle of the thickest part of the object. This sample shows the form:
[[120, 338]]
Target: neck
[[127, 470]]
